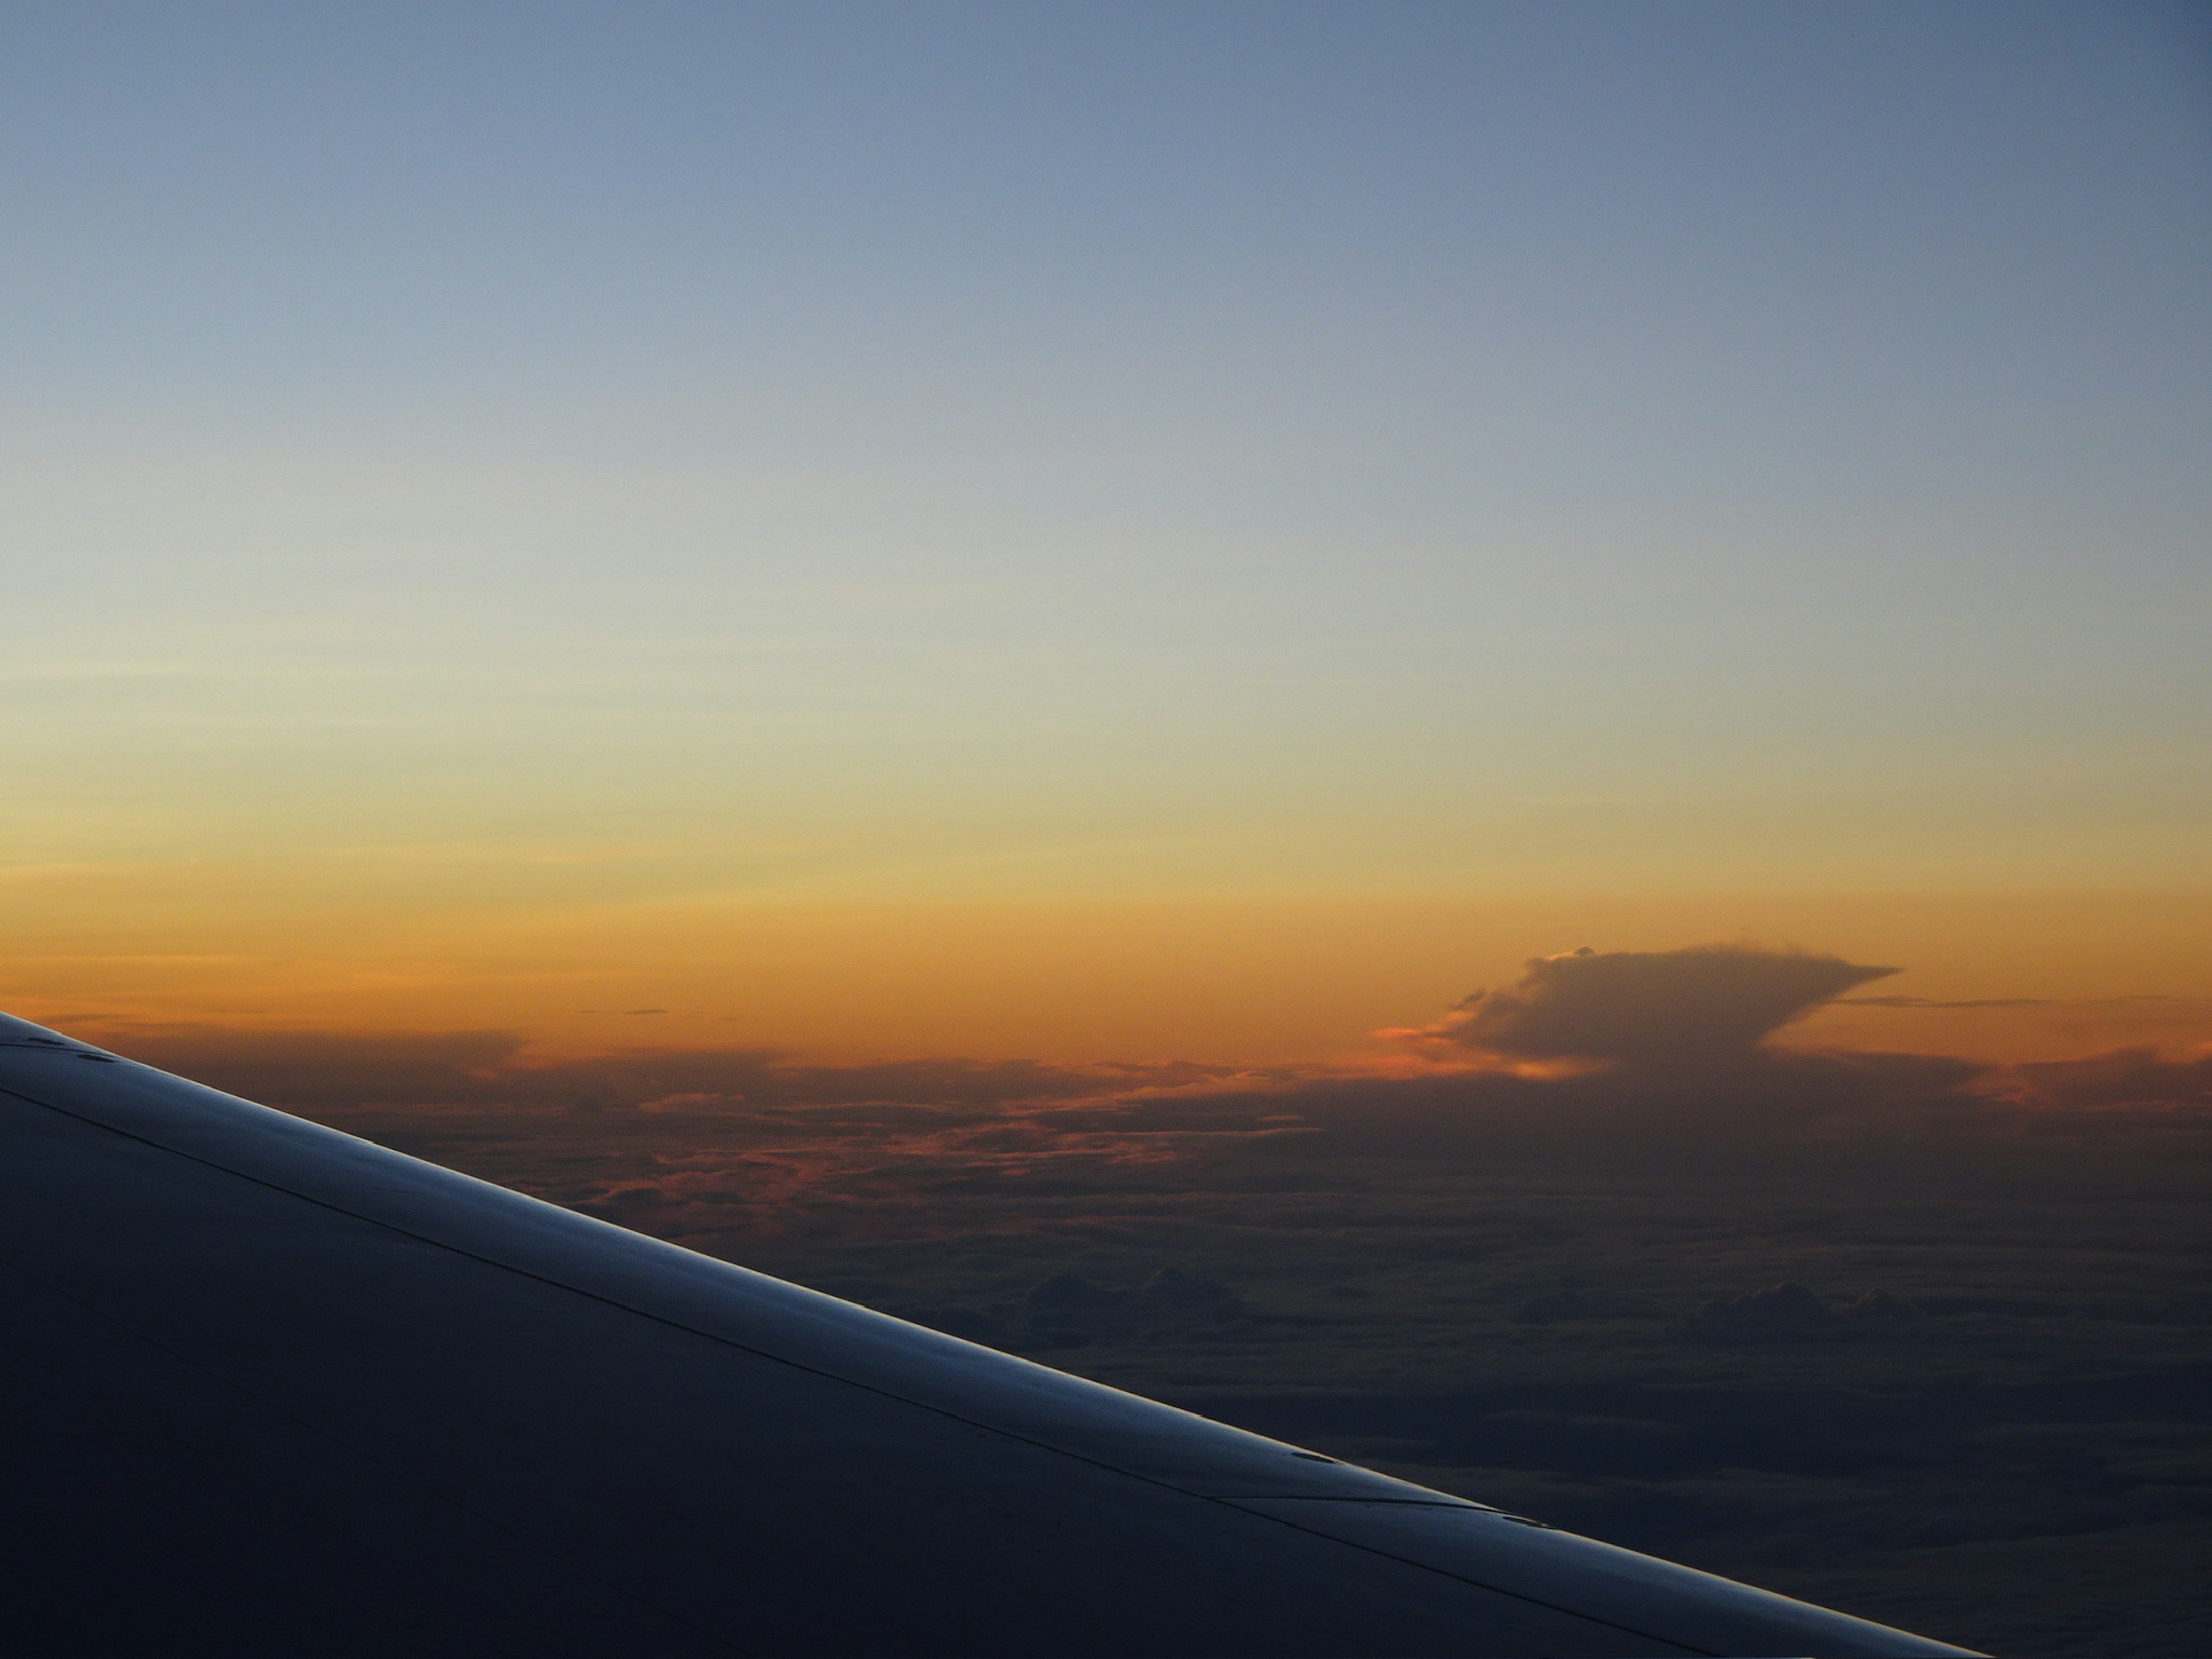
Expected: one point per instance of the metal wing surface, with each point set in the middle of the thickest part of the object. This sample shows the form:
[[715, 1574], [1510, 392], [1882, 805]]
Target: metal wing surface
[[273, 1389]]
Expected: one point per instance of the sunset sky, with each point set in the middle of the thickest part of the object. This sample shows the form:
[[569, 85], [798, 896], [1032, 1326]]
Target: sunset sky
[[1101, 532]]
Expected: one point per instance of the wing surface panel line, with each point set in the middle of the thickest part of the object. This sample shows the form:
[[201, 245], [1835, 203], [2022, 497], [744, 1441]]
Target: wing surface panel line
[[711, 1336], [1440, 1500], [566, 1221], [1016, 1401]]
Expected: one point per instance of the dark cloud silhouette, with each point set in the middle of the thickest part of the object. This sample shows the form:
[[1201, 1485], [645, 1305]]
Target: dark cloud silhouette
[[1751, 1103], [1620, 1057], [1648, 1008], [2120, 1077], [316, 1069]]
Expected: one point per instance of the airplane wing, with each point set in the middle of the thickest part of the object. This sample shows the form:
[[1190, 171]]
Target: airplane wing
[[269, 1388]]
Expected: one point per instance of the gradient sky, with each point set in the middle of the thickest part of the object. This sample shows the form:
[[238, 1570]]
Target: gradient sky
[[1087, 528]]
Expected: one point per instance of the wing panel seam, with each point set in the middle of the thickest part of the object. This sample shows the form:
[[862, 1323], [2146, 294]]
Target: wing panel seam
[[607, 1300]]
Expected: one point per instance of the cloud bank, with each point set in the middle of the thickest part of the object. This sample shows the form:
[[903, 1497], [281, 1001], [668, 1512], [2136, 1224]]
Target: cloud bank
[[1654, 1059]]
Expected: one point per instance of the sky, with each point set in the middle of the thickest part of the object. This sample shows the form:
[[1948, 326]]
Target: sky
[[1098, 531]]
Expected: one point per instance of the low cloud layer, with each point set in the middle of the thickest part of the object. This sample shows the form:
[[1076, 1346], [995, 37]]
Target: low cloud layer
[[2122, 1077], [1626, 1057], [323, 1069]]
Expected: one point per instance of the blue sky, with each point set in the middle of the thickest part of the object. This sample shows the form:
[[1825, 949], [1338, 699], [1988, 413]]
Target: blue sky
[[1106, 448]]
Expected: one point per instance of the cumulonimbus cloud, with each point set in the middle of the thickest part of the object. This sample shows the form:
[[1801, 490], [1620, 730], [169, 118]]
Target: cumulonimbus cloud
[[1702, 1004]]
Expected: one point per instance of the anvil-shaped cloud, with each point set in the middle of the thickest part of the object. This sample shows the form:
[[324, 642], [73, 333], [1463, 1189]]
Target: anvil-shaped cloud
[[1695, 1006]]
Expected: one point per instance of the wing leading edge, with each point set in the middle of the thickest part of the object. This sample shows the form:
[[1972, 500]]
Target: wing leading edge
[[273, 1388]]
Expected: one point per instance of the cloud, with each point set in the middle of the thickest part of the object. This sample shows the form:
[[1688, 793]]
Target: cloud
[[2120, 1077], [1934, 1002], [1655, 1058], [341, 1069], [1678, 1034], [1646, 1008], [1753, 1102]]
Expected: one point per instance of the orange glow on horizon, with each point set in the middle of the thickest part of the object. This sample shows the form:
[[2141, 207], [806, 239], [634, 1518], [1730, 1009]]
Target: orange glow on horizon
[[1993, 976]]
